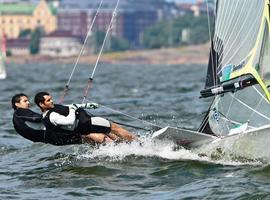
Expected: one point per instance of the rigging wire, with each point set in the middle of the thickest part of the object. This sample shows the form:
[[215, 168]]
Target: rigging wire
[[129, 116], [80, 53], [144, 121], [99, 55]]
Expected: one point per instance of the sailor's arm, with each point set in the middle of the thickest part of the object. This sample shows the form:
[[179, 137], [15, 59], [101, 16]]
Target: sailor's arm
[[58, 119]]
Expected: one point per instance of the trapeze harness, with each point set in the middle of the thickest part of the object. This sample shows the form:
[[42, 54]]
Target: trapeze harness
[[25, 121], [58, 135]]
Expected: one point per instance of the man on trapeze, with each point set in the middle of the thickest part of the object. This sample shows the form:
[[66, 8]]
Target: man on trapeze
[[29, 125], [25, 121], [63, 120]]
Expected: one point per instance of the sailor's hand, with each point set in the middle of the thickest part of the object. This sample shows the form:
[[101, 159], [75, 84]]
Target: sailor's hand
[[74, 106], [91, 105]]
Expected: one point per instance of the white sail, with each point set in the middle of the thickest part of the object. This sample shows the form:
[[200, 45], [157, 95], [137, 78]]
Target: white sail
[[241, 43], [238, 78], [3, 73]]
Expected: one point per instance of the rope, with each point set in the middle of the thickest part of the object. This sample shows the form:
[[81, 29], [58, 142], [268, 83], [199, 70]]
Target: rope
[[129, 125], [129, 116], [99, 55], [80, 53]]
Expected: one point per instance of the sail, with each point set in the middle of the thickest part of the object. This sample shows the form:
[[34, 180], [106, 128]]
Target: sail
[[238, 72], [3, 73]]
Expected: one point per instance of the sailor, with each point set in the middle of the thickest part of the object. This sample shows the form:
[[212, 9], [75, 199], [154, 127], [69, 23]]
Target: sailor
[[64, 119], [25, 121], [29, 124]]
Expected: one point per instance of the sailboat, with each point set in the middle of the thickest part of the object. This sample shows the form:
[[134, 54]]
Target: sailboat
[[3, 73], [237, 80]]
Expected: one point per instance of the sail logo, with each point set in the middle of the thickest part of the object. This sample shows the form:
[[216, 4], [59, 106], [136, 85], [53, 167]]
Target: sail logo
[[228, 69], [216, 114], [226, 72]]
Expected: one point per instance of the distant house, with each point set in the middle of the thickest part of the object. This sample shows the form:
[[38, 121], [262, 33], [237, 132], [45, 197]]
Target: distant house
[[18, 46], [18, 16], [78, 21], [59, 44], [75, 21]]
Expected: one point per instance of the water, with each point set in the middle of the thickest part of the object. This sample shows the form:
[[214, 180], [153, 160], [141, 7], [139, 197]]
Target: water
[[162, 95]]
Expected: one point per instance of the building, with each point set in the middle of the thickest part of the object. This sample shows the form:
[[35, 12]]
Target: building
[[18, 46], [132, 19], [75, 21], [15, 17], [59, 44]]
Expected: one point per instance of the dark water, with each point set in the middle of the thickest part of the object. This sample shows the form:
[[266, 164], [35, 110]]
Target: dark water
[[162, 95]]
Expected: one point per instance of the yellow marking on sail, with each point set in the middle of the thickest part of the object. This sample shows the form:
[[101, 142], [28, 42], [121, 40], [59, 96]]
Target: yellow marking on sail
[[249, 68]]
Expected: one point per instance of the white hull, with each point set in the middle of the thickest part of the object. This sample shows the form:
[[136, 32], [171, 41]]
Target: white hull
[[251, 144], [183, 137]]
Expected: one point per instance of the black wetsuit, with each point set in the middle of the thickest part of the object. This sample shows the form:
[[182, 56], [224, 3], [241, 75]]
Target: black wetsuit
[[20, 117], [51, 136]]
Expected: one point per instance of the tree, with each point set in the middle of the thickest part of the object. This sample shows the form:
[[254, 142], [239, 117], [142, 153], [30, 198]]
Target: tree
[[35, 39], [118, 44], [166, 33], [112, 43], [25, 33]]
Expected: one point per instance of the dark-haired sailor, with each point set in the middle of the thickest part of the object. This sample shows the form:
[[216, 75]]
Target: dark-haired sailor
[[29, 124], [63, 120], [26, 122]]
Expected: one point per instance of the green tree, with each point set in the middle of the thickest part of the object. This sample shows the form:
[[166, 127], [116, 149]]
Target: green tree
[[119, 44], [112, 43], [156, 36], [35, 40], [25, 33], [169, 33], [97, 40]]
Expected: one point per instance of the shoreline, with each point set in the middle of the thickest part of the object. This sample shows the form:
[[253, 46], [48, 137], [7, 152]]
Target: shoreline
[[195, 54]]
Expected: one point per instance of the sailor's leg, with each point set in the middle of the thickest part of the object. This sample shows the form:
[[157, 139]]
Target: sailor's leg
[[121, 132], [113, 136], [98, 138]]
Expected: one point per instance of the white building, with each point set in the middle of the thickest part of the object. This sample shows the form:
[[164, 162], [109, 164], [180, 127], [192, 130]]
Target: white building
[[59, 44]]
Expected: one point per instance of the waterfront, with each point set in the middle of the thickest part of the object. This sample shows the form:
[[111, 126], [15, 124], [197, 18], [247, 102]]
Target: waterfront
[[161, 94], [197, 54]]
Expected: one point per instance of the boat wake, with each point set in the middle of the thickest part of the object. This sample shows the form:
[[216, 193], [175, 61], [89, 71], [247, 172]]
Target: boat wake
[[146, 147]]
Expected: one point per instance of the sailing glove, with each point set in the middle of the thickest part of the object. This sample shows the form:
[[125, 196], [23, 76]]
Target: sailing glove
[[74, 106], [91, 105]]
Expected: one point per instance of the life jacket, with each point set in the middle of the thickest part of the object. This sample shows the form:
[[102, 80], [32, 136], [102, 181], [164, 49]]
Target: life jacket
[[87, 125], [57, 135], [84, 121]]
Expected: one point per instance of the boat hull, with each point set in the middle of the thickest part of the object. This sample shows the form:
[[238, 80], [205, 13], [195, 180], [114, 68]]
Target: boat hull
[[183, 137], [252, 144]]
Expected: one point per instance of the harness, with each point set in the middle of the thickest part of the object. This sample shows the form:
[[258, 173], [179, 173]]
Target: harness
[[57, 135]]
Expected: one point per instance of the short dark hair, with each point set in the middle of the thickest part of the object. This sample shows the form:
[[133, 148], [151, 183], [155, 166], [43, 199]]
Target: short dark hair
[[16, 99], [39, 98]]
